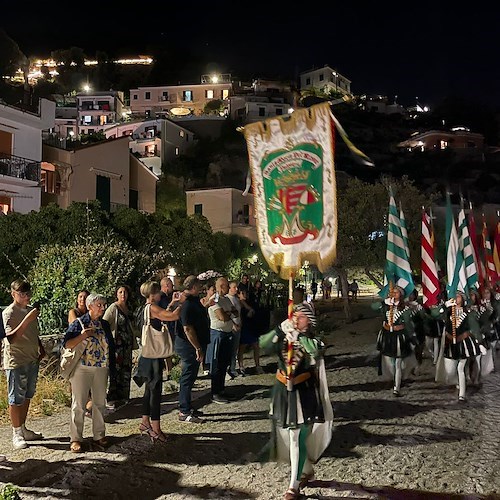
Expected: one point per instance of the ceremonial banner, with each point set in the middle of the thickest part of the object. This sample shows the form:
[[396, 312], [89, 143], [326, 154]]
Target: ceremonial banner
[[293, 179], [491, 272]]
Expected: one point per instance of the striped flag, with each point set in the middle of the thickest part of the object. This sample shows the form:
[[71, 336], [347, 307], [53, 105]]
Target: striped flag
[[430, 279], [491, 274], [475, 245], [455, 268], [404, 231], [496, 248], [397, 266], [467, 251]]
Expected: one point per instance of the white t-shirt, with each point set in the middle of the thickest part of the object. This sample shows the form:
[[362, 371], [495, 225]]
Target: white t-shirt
[[215, 323], [237, 305]]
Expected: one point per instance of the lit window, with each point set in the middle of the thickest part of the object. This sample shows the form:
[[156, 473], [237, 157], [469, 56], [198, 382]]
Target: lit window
[[187, 95], [181, 133], [444, 144], [225, 93], [176, 151], [209, 94], [87, 119]]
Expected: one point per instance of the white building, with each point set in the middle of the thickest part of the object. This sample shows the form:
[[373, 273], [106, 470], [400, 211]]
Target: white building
[[326, 79], [21, 178]]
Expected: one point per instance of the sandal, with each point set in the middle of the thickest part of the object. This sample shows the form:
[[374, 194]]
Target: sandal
[[144, 429], [75, 447], [157, 437], [291, 494]]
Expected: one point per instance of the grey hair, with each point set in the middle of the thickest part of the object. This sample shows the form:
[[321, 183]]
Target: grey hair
[[94, 297]]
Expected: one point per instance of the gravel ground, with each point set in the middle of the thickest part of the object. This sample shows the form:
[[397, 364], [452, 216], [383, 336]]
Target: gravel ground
[[423, 445]]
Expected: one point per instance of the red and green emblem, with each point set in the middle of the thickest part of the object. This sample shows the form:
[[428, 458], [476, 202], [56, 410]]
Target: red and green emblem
[[293, 187]]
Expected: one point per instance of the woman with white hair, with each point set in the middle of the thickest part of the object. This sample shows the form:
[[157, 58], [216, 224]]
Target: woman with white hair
[[300, 410], [396, 340], [91, 373]]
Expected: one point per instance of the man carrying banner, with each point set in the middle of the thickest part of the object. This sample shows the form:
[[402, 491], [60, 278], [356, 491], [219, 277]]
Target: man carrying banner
[[300, 409]]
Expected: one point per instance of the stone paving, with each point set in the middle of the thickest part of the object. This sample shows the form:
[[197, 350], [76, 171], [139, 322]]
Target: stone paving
[[424, 445]]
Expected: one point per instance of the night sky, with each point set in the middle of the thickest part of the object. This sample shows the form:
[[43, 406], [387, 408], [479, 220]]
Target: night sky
[[429, 50]]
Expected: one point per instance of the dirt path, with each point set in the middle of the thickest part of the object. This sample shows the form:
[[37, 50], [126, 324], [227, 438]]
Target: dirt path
[[382, 447]]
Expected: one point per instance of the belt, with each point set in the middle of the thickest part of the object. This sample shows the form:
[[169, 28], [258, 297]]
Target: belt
[[394, 328], [459, 338], [302, 377]]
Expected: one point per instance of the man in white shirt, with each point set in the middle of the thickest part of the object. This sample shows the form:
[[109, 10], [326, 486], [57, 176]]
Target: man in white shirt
[[221, 339], [233, 297]]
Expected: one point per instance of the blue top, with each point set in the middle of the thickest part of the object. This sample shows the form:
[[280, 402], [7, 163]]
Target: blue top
[[100, 350]]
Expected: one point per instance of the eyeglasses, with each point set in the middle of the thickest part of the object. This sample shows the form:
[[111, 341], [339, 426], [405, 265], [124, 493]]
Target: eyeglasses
[[23, 294]]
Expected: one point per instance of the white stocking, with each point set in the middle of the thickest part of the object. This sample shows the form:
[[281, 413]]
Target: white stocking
[[294, 458], [398, 374], [435, 352], [461, 378]]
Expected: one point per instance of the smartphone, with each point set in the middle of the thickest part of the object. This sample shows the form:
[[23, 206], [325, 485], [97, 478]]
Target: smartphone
[[216, 297], [176, 296], [36, 305]]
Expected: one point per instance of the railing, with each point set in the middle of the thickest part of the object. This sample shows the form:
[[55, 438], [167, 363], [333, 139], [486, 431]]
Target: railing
[[22, 168]]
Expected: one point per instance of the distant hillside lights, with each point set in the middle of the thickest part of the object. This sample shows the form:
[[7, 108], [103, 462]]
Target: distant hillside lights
[[35, 70]]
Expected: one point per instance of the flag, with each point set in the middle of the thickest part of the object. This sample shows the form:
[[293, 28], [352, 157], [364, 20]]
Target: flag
[[475, 245], [467, 252], [491, 274], [496, 248], [455, 267], [397, 266], [430, 279], [404, 231]]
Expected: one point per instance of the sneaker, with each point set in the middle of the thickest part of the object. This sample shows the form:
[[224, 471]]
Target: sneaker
[[110, 405], [31, 435], [190, 418], [198, 413], [220, 400], [259, 370], [18, 442], [232, 375]]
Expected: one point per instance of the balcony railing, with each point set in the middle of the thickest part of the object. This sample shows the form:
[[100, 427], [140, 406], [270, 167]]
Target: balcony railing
[[22, 168]]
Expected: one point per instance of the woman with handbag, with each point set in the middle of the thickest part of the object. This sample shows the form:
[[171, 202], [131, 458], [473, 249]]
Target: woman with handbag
[[91, 372], [150, 369], [119, 319]]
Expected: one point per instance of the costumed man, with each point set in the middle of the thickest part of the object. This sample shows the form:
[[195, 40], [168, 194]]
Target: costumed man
[[459, 343], [419, 320], [396, 340], [300, 409]]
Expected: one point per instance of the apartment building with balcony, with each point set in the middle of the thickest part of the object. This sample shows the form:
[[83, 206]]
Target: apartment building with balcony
[[261, 100], [326, 79], [21, 175], [98, 110], [105, 171], [179, 100], [460, 139], [226, 209]]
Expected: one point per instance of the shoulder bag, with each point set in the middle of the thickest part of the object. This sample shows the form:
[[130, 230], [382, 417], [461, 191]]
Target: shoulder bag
[[156, 344], [70, 357]]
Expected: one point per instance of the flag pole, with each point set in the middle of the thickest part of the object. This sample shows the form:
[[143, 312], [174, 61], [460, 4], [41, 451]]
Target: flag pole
[[289, 360]]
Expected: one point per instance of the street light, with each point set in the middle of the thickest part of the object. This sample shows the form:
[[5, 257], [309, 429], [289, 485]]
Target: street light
[[334, 73]]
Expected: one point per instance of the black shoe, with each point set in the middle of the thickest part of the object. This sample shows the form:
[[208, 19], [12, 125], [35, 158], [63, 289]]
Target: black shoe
[[232, 375], [221, 400], [197, 413]]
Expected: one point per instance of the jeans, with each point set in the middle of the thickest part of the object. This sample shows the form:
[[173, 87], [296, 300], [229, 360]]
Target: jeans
[[21, 383], [220, 358], [189, 372]]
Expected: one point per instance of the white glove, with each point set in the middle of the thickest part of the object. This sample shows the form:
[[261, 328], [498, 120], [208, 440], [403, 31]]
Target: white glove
[[482, 349]]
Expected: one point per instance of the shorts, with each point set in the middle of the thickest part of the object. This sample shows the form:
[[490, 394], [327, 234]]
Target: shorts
[[21, 383]]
